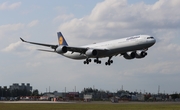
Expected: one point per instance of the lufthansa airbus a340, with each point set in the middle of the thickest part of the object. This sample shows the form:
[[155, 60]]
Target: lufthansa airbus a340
[[130, 48]]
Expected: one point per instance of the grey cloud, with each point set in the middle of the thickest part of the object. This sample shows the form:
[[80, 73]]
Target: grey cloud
[[10, 27], [118, 15], [6, 5]]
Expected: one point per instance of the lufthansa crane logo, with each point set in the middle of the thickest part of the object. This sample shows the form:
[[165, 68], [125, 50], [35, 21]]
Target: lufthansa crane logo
[[61, 40]]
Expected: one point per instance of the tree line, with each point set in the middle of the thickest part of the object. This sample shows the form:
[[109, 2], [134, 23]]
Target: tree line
[[5, 92]]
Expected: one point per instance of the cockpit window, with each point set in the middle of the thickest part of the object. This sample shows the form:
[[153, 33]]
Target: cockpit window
[[150, 37]]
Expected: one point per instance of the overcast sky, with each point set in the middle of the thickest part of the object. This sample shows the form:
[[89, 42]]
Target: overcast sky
[[84, 22]]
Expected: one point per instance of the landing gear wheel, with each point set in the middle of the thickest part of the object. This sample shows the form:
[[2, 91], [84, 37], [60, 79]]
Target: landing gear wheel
[[95, 60], [106, 63], [109, 62], [89, 60], [84, 62]]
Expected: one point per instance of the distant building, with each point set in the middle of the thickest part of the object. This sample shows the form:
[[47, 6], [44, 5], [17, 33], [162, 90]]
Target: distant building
[[87, 98], [140, 97], [20, 87]]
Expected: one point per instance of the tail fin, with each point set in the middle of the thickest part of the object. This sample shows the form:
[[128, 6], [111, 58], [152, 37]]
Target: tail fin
[[61, 39]]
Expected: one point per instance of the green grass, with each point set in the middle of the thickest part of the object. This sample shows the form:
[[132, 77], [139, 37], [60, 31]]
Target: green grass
[[89, 106]]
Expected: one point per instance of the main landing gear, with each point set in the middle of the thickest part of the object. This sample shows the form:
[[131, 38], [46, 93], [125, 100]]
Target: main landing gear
[[97, 61], [87, 61], [109, 62]]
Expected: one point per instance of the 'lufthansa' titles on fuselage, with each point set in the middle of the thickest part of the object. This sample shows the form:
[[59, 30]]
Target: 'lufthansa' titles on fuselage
[[133, 37]]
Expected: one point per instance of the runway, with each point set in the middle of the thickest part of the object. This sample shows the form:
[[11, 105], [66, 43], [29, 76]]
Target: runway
[[35, 102], [93, 102]]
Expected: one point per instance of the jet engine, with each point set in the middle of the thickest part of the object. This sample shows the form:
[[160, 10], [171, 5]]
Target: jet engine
[[91, 52], [61, 49], [129, 55], [140, 54]]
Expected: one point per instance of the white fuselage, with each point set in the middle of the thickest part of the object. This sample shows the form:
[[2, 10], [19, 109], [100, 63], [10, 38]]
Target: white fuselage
[[115, 47]]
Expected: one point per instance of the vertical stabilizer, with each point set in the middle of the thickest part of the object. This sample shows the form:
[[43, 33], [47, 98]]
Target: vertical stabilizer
[[61, 39]]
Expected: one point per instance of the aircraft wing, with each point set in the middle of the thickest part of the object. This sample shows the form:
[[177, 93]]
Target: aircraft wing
[[47, 45], [82, 50]]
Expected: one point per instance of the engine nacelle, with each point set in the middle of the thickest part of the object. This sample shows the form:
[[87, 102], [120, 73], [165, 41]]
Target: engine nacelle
[[140, 54], [61, 49], [129, 55], [91, 52]]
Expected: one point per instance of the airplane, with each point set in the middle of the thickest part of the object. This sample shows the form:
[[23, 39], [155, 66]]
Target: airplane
[[129, 47]]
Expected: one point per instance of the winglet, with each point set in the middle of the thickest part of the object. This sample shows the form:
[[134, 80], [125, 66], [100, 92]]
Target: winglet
[[22, 39]]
